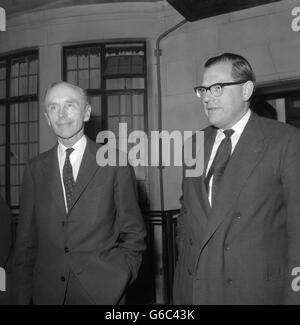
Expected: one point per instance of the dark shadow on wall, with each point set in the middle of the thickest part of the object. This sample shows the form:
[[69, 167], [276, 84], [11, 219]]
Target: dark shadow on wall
[[261, 107]]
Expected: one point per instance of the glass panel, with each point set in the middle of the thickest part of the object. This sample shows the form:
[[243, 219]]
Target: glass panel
[[33, 132], [2, 155], [2, 115], [15, 69], [14, 154], [2, 89], [138, 123], [14, 87], [138, 104], [23, 133], [71, 60], [95, 81], [2, 192], [21, 172], [14, 113], [23, 109], [95, 58], [125, 105], [33, 67], [32, 85], [83, 79], [23, 86], [24, 155], [135, 83], [83, 60], [137, 64], [125, 64], [115, 84], [2, 175], [112, 64], [113, 105], [2, 134], [2, 70], [23, 68], [33, 111], [113, 125], [72, 77], [14, 133], [95, 103]]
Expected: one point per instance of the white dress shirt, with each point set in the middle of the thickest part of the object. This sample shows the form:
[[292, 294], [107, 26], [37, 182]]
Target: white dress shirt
[[75, 160], [238, 130]]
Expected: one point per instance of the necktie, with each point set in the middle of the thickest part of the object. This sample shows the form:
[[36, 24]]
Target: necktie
[[219, 164], [68, 178]]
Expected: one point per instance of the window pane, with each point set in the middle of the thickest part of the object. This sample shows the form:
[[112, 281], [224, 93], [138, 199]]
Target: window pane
[[83, 60], [2, 89], [14, 195], [72, 77], [33, 67], [2, 70], [138, 104], [14, 133], [33, 111], [24, 154], [113, 105], [2, 115], [23, 133], [23, 68], [33, 132], [2, 175], [14, 175], [23, 112], [14, 87], [95, 81], [71, 60], [2, 134], [95, 102], [84, 79], [23, 86], [2, 155], [115, 84], [95, 58], [125, 105], [33, 150], [32, 84]]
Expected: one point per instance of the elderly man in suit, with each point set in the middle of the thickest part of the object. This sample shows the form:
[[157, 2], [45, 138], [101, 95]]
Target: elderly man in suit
[[239, 229], [81, 233]]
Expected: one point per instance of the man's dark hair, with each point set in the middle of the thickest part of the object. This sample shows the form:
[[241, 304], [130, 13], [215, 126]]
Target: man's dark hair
[[241, 68]]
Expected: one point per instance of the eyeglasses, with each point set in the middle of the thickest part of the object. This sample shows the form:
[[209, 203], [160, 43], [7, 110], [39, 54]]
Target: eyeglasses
[[215, 89]]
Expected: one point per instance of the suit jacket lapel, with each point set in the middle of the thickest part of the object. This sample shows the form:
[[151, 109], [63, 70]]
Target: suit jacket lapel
[[53, 179], [248, 152], [87, 170], [198, 182]]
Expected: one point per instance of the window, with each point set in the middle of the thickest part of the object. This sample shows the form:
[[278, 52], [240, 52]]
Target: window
[[279, 101], [114, 76], [18, 120]]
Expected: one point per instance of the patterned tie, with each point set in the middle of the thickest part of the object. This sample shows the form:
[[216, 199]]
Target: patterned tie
[[219, 164], [68, 178]]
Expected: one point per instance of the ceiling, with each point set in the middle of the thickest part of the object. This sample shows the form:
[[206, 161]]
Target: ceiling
[[13, 7], [198, 9]]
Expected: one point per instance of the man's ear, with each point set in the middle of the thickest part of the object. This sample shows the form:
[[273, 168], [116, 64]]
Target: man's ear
[[47, 118], [248, 88], [87, 112]]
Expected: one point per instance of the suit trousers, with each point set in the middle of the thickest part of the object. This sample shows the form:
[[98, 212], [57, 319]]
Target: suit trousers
[[76, 293]]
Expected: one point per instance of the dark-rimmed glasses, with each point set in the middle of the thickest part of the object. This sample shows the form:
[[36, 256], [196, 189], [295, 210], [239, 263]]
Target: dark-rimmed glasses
[[216, 89]]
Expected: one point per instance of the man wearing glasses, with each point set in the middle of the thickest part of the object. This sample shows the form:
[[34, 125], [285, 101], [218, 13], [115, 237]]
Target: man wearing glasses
[[239, 227]]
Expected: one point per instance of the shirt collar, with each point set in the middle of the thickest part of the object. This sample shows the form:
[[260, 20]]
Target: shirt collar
[[78, 147], [238, 127]]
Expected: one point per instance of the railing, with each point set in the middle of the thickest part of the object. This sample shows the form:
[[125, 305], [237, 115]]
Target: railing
[[155, 281]]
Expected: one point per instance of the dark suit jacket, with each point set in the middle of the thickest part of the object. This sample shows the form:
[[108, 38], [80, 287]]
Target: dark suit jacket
[[5, 232], [101, 239], [243, 249]]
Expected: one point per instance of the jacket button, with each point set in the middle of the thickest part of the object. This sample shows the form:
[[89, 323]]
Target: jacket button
[[190, 271], [66, 249], [238, 215], [62, 223], [226, 246], [229, 281], [62, 279], [191, 242]]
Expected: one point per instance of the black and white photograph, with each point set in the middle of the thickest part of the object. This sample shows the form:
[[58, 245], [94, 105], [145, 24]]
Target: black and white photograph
[[149, 155]]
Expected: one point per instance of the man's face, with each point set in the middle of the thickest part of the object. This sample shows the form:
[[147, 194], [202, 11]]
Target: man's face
[[226, 110], [66, 112]]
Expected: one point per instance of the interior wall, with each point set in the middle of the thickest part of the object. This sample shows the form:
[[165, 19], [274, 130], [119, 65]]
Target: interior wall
[[262, 34]]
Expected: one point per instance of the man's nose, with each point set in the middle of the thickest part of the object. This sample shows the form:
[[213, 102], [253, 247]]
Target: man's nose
[[208, 96], [62, 111]]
